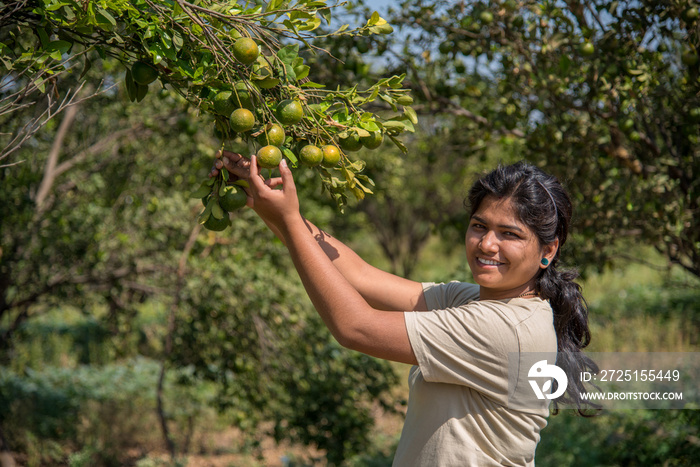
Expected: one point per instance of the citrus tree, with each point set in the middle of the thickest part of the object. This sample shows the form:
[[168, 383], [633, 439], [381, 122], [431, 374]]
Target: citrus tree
[[103, 105], [605, 94], [96, 220], [237, 64]]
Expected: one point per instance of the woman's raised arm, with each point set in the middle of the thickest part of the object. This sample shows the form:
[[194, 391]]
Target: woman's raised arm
[[380, 289]]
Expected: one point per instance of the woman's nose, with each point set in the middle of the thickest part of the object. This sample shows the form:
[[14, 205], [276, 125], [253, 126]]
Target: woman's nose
[[489, 242]]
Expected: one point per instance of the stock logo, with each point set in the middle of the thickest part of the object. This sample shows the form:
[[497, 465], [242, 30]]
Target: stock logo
[[543, 370]]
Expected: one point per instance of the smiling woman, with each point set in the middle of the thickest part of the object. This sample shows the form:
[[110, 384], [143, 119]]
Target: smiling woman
[[504, 254], [460, 337]]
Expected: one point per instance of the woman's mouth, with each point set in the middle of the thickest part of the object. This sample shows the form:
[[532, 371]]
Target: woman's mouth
[[488, 262]]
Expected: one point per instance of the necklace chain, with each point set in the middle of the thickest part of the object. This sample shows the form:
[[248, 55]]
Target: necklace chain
[[526, 294]]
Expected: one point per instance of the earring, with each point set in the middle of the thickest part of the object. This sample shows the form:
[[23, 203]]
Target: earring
[[545, 261]]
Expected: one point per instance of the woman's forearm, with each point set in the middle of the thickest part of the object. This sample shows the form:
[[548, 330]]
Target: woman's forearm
[[352, 320], [380, 289]]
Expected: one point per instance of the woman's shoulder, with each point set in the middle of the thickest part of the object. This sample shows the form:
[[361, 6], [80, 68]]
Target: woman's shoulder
[[449, 294]]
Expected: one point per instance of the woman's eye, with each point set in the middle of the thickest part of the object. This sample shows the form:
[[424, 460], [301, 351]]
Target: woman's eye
[[512, 234]]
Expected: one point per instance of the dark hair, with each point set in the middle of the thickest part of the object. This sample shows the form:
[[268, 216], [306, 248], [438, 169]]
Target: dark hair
[[542, 203]]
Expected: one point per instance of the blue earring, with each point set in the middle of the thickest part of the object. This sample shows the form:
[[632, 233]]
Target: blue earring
[[545, 261]]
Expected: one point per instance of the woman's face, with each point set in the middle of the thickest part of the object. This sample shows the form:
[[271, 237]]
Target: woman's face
[[504, 254]]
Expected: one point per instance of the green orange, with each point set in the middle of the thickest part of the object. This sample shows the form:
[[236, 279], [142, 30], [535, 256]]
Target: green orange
[[690, 14], [234, 198], [587, 49], [269, 157], [223, 104], [246, 50], [351, 142], [274, 135], [242, 120], [311, 155], [217, 225], [143, 73], [289, 112], [267, 83], [373, 141], [486, 17], [331, 156]]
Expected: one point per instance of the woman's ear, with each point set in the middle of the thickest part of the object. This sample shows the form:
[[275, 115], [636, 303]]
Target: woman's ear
[[548, 253]]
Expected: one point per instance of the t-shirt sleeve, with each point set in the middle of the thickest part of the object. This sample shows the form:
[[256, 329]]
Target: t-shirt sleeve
[[466, 345], [450, 294]]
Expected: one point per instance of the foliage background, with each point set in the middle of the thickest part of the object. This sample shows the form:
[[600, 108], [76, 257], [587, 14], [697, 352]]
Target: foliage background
[[108, 284]]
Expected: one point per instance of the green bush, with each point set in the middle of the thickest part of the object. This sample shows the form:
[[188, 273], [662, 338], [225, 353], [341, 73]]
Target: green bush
[[622, 437], [90, 411]]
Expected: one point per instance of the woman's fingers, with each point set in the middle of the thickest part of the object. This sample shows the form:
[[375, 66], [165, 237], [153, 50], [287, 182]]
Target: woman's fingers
[[236, 164], [287, 178], [256, 180], [273, 182]]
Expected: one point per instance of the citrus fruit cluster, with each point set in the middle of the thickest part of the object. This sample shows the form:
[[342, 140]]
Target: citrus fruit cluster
[[265, 112], [219, 200], [276, 127], [263, 103]]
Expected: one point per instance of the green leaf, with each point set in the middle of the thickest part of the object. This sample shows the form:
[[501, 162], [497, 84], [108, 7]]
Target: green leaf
[[374, 19], [341, 29], [311, 84], [104, 14], [310, 24], [396, 81], [43, 37], [201, 192], [41, 85], [325, 14], [393, 127], [178, 42], [59, 46], [399, 144], [302, 71], [361, 132], [411, 114], [204, 216], [290, 155], [216, 210], [130, 85], [370, 125], [274, 5], [141, 91], [389, 100], [56, 6], [288, 53]]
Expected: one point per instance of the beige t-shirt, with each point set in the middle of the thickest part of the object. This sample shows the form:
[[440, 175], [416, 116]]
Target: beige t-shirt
[[457, 407]]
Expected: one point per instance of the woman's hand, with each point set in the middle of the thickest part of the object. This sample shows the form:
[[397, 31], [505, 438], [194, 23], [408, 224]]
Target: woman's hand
[[237, 165], [274, 199]]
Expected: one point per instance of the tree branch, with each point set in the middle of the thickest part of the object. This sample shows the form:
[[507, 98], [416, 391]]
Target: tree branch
[[50, 172]]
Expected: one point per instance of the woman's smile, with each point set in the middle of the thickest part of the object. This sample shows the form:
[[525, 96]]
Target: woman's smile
[[488, 262]]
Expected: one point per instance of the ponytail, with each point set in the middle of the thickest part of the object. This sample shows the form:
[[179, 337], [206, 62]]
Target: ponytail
[[571, 325]]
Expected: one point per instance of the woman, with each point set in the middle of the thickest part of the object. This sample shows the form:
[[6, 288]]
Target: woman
[[458, 336]]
